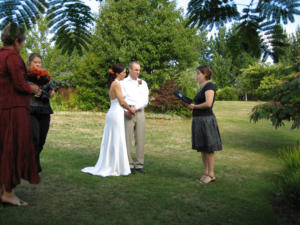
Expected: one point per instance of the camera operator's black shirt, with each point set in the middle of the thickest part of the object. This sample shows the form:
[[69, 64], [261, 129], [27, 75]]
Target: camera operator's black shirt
[[39, 105]]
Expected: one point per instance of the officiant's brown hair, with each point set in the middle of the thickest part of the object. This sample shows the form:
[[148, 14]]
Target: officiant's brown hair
[[10, 33], [206, 71]]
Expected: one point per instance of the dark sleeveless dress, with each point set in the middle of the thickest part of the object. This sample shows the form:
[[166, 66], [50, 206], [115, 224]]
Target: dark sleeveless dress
[[17, 159], [205, 130]]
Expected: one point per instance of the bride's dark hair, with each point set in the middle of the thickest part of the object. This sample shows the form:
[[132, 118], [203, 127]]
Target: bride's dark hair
[[111, 75]]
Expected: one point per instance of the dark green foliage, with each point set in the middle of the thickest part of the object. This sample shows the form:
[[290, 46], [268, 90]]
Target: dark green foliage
[[69, 20], [285, 104], [259, 16], [278, 39], [245, 39], [212, 12], [155, 35], [230, 54], [91, 84], [24, 13], [288, 182], [204, 13], [294, 46]]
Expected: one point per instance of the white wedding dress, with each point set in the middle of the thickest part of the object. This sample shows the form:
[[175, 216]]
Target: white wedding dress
[[113, 159]]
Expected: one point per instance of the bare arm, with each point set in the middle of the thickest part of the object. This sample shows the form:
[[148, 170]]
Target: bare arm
[[118, 92], [209, 98]]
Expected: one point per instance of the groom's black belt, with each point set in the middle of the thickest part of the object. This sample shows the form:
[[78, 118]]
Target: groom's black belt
[[139, 110]]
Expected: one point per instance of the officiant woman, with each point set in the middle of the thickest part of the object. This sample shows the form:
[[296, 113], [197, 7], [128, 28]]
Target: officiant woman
[[17, 159], [205, 132]]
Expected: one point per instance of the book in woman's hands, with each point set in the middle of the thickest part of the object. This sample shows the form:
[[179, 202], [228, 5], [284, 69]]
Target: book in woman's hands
[[182, 97]]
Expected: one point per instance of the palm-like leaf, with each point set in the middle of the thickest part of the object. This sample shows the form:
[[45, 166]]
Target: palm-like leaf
[[69, 20], [278, 10], [24, 12], [263, 13], [203, 13]]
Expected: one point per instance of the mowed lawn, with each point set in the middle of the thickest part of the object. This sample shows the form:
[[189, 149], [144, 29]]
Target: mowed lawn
[[168, 193]]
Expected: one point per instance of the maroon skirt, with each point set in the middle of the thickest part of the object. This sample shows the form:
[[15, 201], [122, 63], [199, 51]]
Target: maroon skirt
[[17, 159]]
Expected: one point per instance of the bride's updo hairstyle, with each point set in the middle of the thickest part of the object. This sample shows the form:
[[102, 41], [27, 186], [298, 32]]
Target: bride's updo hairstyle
[[112, 73]]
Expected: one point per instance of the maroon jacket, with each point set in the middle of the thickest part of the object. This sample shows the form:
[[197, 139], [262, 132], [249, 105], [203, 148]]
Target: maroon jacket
[[14, 89]]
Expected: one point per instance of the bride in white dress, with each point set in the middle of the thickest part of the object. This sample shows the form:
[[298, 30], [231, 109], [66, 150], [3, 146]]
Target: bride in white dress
[[113, 158]]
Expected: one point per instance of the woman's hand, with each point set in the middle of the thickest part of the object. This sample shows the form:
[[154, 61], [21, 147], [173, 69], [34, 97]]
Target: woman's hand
[[133, 110], [36, 90], [51, 93], [191, 106]]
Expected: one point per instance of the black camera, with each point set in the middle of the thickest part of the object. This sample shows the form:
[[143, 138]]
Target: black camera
[[45, 91]]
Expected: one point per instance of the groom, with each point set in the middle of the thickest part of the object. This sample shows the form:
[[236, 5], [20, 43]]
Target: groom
[[136, 93]]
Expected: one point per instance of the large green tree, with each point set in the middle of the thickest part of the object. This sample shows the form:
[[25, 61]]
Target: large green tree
[[285, 103], [294, 45], [153, 34], [281, 46], [229, 55]]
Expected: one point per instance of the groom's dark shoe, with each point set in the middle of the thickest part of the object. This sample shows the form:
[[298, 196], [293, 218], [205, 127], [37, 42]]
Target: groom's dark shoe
[[132, 170], [141, 170]]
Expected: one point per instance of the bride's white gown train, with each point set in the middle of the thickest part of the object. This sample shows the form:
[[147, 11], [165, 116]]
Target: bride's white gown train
[[113, 159]]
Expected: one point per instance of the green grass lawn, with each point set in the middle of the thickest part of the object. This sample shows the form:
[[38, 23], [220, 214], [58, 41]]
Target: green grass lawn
[[168, 193]]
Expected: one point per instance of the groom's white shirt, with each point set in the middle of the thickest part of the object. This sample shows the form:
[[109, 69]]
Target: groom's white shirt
[[134, 93]]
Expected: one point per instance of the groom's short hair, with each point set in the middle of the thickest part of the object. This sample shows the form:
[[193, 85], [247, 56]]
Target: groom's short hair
[[133, 62]]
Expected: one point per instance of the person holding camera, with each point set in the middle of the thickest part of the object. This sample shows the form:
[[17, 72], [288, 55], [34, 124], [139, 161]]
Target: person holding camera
[[40, 111]]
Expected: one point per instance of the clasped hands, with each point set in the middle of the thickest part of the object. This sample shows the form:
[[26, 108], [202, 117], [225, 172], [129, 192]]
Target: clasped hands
[[131, 113], [36, 90]]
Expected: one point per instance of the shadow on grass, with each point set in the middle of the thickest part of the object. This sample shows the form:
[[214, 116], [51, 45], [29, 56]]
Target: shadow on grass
[[167, 194], [260, 141]]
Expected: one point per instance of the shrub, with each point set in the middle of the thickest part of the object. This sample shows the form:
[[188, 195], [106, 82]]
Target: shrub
[[285, 104], [289, 179], [227, 93], [65, 99], [162, 100]]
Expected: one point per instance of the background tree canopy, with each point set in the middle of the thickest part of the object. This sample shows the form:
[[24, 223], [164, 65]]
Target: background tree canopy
[[153, 34], [166, 44], [71, 20], [257, 17]]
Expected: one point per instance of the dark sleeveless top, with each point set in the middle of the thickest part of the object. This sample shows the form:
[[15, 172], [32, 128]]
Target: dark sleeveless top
[[200, 98]]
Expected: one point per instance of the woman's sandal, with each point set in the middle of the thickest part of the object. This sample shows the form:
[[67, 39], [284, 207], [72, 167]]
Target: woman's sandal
[[202, 178], [20, 203], [205, 179]]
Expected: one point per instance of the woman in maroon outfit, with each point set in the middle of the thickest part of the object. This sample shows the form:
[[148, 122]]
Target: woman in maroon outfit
[[17, 159]]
